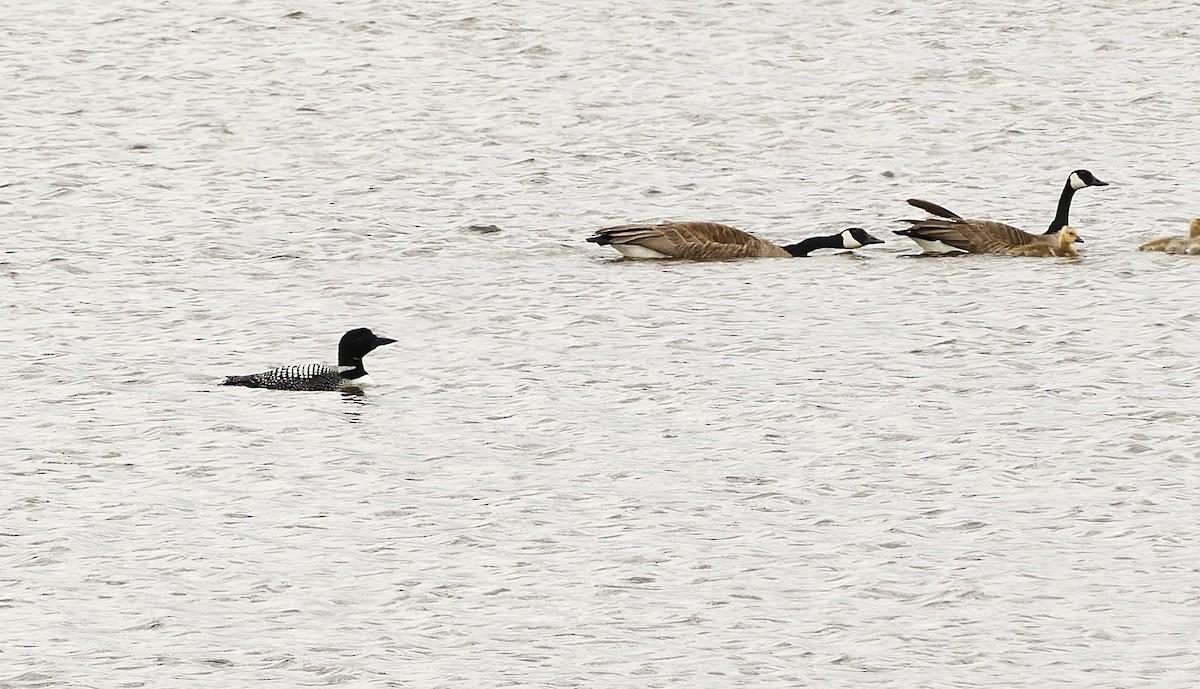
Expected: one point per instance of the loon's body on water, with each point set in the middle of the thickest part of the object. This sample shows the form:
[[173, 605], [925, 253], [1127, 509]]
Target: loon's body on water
[[349, 374]]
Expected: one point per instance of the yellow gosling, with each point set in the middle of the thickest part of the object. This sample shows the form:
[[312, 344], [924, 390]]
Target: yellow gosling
[[1058, 244], [1177, 245]]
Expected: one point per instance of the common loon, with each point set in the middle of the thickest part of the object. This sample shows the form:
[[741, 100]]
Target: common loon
[[348, 374]]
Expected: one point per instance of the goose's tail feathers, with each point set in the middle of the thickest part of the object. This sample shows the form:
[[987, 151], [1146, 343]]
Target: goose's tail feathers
[[934, 209]]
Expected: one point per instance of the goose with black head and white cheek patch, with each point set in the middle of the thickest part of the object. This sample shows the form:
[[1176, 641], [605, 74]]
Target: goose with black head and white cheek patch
[[710, 241], [348, 376], [950, 232]]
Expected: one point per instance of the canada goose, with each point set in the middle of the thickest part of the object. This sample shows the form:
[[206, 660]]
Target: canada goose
[[1057, 244], [956, 233], [1177, 245], [713, 241]]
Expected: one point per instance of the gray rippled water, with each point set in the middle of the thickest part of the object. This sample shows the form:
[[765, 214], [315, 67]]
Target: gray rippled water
[[575, 470]]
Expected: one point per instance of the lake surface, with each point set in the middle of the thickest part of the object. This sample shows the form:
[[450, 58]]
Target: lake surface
[[867, 470]]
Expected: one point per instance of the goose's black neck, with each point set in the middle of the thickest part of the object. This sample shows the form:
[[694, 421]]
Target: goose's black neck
[[1064, 209], [833, 241]]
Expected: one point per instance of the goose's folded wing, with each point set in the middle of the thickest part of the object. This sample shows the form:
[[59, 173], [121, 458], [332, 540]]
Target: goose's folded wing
[[975, 236], [714, 241], [694, 240], [947, 232], [988, 236], [647, 235]]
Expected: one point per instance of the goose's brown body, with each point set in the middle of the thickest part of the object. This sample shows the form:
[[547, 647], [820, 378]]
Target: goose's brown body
[[976, 236], [693, 240]]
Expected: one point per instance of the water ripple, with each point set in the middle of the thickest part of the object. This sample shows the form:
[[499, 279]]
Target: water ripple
[[576, 469]]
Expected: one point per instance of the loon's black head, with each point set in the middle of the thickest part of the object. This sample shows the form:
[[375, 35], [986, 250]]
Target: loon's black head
[[1082, 178], [358, 343]]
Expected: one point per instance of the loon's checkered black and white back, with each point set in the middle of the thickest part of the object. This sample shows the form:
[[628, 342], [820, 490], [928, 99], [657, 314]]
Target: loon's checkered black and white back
[[312, 377], [348, 374]]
